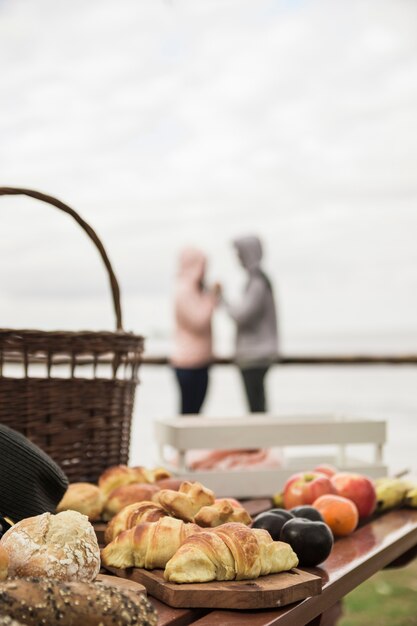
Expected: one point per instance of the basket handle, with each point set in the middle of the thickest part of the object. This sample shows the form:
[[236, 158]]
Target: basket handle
[[114, 285]]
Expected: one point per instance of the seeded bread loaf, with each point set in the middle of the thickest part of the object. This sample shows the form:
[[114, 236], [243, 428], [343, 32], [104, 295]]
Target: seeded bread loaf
[[34, 601]]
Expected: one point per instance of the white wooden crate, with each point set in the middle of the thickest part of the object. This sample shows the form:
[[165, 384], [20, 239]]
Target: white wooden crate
[[264, 431]]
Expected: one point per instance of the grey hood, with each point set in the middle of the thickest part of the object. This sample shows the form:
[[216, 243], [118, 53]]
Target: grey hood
[[249, 250], [255, 313]]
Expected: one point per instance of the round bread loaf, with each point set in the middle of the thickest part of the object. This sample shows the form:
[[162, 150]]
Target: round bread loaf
[[4, 563], [84, 498], [62, 546], [32, 601]]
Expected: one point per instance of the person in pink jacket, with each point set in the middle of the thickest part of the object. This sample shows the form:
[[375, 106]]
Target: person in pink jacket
[[194, 307]]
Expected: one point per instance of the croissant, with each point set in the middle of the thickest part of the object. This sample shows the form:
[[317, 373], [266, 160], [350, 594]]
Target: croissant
[[121, 497], [186, 502], [149, 544], [159, 473], [120, 475], [169, 483], [229, 552], [220, 512], [276, 556], [131, 516]]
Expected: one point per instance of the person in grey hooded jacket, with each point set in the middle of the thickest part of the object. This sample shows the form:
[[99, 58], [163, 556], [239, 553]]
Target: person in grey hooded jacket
[[256, 324]]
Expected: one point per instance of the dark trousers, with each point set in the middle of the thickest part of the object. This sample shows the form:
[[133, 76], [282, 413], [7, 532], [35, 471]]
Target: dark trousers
[[254, 382], [193, 383]]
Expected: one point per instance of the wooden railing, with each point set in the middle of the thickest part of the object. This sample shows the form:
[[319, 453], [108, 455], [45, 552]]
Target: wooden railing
[[307, 359], [300, 359]]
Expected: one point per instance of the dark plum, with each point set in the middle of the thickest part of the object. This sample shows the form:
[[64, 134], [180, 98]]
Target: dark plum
[[308, 512], [272, 521], [311, 541]]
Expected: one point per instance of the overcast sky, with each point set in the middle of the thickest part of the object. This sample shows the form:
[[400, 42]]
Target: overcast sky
[[193, 121]]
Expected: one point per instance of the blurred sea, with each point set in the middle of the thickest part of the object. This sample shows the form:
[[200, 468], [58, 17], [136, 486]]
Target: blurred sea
[[379, 392]]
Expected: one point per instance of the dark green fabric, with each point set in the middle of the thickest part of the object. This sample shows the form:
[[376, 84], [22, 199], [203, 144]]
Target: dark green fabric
[[30, 482]]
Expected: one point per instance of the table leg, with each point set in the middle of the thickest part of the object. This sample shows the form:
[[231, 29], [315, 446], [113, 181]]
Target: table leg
[[404, 559], [330, 617]]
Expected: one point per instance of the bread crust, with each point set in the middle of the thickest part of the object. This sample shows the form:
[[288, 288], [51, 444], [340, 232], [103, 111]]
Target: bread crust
[[229, 552], [35, 601], [187, 501], [160, 473], [149, 544], [120, 475], [5, 620], [125, 495], [221, 512], [84, 498], [62, 546], [4, 563], [132, 515], [169, 483]]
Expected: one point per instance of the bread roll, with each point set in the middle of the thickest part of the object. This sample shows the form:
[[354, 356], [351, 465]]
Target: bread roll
[[160, 473], [32, 602], [123, 475], [125, 495], [221, 512], [187, 501], [62, 546], [170, 483], [4, 563], [84, 498]]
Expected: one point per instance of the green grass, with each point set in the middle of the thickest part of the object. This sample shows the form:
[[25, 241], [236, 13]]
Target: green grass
[[387, 599]]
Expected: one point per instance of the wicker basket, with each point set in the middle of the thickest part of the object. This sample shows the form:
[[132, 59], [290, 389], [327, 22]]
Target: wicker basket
[[81, 418]]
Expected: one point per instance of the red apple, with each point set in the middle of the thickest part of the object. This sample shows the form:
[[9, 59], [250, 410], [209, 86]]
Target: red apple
[[305, 487], [357, 488], [325, 468]]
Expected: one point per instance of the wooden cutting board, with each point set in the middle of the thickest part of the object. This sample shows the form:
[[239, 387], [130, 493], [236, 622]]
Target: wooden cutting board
[[121, 583], [99, 529], [264, 592]]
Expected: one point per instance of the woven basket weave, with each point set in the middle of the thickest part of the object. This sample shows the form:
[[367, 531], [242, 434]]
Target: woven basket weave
[[81, 418]]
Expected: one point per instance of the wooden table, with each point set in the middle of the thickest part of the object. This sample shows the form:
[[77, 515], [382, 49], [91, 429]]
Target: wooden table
[[353, 560]]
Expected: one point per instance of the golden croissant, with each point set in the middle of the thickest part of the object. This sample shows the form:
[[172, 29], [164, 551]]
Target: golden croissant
[[159, 473], [120, 475], [229, 552], [125, 495], [132, 515], [220, 512], [187, 501], [149, 544]]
